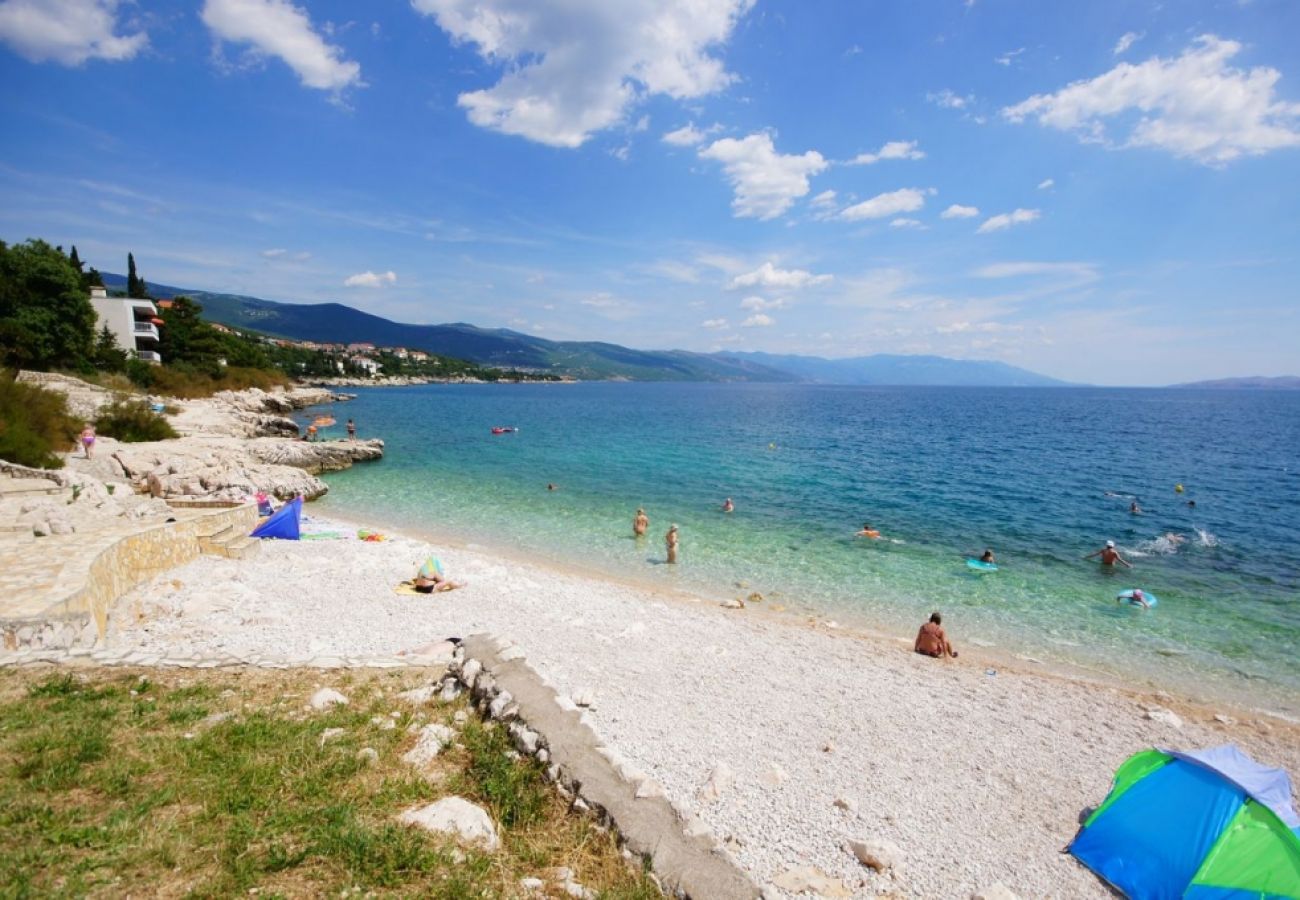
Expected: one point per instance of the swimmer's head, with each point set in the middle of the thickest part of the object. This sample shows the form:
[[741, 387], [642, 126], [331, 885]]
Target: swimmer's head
[[1110, 544], [936, 618]]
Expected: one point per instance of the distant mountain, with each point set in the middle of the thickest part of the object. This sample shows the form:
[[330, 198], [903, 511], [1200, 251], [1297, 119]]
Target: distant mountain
[[885, 368], [1249, 383], [339, 324]]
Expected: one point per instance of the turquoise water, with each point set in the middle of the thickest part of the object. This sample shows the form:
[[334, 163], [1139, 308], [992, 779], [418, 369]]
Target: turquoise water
[[1041, 476]]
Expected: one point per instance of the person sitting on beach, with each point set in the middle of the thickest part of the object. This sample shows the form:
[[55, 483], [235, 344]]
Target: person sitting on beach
[[640, 523], [931, 640], [868, 532], [1110, 556], [728, 506], [88, 440], [431, 579], [987, 557], [670, 541]]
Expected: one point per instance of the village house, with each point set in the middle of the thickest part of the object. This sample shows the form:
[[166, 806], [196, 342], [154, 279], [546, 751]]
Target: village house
[[133, 323]]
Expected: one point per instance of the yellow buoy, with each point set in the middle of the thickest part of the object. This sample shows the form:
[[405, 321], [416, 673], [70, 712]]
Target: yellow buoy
[[1178, 489]]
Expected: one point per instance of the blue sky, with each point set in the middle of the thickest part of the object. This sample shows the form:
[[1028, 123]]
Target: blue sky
[[1105, 192]]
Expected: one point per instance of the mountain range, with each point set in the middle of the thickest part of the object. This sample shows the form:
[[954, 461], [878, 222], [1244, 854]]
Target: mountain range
[[588, 360]]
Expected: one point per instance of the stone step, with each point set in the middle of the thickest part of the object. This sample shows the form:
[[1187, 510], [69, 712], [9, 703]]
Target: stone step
[[28, 487], [242, 548], [213, 543]]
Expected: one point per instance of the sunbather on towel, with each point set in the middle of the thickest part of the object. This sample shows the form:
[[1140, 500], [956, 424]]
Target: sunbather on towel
[[431, 579]]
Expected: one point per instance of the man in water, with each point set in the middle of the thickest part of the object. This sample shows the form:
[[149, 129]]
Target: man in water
[[931, 640], [640, 523], [987, 557], [868, 532], [728, 506], [1134, 508], [1110, 556], [670, 541]]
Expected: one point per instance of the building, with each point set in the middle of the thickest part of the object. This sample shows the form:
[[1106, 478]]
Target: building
[[361, 347], [419, 355], [367, 364], [134, 323]]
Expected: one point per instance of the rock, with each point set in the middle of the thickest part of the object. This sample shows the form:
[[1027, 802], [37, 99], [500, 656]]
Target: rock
[[1224, 720], [775, 776], [325, 698], [755, 597], [720, 780], [809, 879], [697, 828], [431, 740], [450, 691], [461, 717], [573, 889], [1164, 717], [877, 853], [383, 723], [828, 747], [469, 672], [532, 884], [419, 696], [585, 698], [732, 604], [498, 708], [848, 804], [648, 787], [525, 739], [368, 755], [455, 815], [330, 734], [997, 891]]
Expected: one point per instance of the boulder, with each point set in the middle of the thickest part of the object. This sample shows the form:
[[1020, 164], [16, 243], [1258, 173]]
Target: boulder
[[720, 780], [1164, 716], [431, 740], [325, 698], [877, 853], [455, 816]]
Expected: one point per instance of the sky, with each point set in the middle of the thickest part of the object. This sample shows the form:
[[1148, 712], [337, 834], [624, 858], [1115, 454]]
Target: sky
[[1105, 192]]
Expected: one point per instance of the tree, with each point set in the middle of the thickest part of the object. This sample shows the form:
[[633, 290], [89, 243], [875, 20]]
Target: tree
[[186, 338], [136, 288], [46, 320], [107, 354], [92, 279], [75, 259]]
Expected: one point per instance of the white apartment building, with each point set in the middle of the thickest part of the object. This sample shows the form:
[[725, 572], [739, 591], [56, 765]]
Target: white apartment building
[[133, 322]]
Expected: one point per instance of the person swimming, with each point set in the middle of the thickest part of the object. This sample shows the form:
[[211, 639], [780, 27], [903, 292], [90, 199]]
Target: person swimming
[[1134, 508], [868, 532], [728, 506], [987, 557]]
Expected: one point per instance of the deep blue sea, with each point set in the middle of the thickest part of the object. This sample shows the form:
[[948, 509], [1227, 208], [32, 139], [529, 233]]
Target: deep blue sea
[[1041, 476]]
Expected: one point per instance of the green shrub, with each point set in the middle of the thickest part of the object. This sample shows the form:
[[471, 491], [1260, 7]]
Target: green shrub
[[34, 424], [133, 421]]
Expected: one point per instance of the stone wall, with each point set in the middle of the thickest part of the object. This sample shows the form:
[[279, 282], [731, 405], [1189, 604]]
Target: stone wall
[[113, 564]]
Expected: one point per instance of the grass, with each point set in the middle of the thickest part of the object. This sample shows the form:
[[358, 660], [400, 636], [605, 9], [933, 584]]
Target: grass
[[215, 784]]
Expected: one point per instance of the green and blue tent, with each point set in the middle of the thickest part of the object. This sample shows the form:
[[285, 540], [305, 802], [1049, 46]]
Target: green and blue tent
[[1202, 825]]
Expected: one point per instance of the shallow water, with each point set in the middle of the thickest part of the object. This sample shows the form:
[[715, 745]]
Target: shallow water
[[1042, 476]]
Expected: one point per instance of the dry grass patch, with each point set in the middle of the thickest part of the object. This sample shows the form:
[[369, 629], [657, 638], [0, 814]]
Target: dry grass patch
[[172, 783]]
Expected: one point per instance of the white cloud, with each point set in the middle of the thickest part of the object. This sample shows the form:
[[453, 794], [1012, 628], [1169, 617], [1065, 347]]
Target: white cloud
[[575, 67], [906, 223], [766, 182], [274, 254], [769, 276], [1046, 183], [370, 279], [891, 150], [278, 28], [690, 136], [882, 206], [758, 304], [948, 100], [66, 31], [824, 200], [1006, 58], [1194, 106], [714, 323], [957, 211], [758, 320], [1127, 40], [1003, 221], [1080, 270]]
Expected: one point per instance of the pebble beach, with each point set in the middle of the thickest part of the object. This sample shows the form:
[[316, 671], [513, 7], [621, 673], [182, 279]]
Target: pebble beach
[[787, 737]]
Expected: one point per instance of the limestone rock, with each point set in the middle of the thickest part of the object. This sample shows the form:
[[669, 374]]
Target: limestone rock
[[325, 698], [431, 740], [456, 816], [809, 879], [877, 853], [1164, 716], [848, 804], [330, 734], [720, 780], [532, 884], [450, 691], [418, 696]]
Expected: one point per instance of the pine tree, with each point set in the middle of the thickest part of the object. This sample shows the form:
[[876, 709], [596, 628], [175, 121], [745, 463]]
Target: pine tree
[[75, 259], [92, 278], [135, 285]]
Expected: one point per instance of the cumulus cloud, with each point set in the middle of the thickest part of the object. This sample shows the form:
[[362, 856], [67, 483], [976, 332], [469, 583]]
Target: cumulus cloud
[[758, 304], [275, 253], [575, 67], [280, 29], [1195, 106], [1003, 221], [883, 206], [765, 182], [891, 150], [689, 136], [824, 200], [714, 323], [1006, 58], [1046, 183], [957, 211], [67, 31], [769, 276], [906, 223], [1126, 40], [948, 100], [369, 279], [758, 320]]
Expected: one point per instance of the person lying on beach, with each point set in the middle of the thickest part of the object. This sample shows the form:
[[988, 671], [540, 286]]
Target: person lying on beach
[[1110, 556], [431, 578], [931, 640], [640, 523]]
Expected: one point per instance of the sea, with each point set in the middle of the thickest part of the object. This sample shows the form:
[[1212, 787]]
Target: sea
[[1042, 476]]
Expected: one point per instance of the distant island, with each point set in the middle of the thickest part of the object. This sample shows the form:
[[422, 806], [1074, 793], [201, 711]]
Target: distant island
[[1248, 383], [587, 360]]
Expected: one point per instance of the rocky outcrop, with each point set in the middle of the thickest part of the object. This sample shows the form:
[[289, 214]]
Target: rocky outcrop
[[218, 470], [324, 456]]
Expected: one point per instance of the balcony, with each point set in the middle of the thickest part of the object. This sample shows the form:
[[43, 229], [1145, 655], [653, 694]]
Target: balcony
[[146, 330], [149, 356]]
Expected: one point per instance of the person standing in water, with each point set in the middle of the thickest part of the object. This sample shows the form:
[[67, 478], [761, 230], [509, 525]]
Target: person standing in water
[[1110, 556], [728, 506], [640, 523], [1134, 508], [987, 557], [670, 542]]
